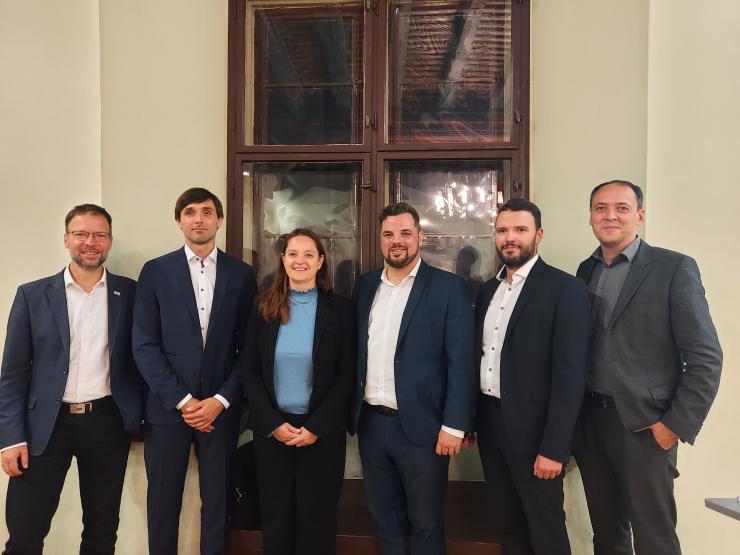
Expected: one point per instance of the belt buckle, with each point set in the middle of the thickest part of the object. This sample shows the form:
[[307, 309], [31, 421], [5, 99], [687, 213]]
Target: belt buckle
[[80, 408]]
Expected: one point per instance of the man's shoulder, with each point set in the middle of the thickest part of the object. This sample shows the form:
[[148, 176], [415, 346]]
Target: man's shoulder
[[122, 282], [661, 255], [439, 275], [39, 285], [556, 275], [234, 263]]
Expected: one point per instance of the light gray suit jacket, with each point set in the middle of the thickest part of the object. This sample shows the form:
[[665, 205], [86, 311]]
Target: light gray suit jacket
[[663, 355]]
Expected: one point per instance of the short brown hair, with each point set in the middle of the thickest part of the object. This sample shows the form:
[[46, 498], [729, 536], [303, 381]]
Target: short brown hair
[[197, 194], [87, 209], [400, 208], [274, 303]]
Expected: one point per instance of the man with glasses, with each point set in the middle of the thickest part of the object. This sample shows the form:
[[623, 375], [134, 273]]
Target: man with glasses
[[69, 387]]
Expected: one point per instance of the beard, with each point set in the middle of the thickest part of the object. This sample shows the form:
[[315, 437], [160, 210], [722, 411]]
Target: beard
[[86, 266], [526, 252], [399, 263]]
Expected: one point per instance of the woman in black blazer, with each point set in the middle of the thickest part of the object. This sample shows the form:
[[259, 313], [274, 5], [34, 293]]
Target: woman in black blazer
[[298, 366]]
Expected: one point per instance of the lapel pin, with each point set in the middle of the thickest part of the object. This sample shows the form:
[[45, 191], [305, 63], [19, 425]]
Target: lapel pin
[[117, 293]]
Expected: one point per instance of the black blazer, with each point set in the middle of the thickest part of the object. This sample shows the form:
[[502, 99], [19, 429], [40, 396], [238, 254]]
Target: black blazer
[[543, 361], [34, 368], [334, 346]]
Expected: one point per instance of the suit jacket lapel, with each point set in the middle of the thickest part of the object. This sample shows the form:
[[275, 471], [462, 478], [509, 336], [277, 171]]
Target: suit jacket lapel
[[223, 273], [364, 305], [586, 269], [58, 302], [420, 282], [114, 311], [638, 271], [323, 307], [530, 285], [485, 302], [184, 283]]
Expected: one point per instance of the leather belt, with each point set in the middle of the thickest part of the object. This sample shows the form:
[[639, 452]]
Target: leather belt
[[381, 409], [600, 400], [87, 406]]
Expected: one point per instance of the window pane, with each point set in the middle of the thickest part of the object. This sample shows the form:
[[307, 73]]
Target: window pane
[[457, 202], [304, 75], [319, 195], [449, 71]]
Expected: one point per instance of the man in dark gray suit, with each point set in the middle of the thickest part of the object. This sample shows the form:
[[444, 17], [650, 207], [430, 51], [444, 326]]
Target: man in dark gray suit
[[654, 370]]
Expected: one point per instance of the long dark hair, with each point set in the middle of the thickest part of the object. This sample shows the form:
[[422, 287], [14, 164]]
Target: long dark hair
[[273, 302]]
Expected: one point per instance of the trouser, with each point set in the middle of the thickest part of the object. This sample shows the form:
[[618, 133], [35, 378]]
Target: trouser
[[405, 486], [100, 444], [527, 512], [628, 479], [299, 491]]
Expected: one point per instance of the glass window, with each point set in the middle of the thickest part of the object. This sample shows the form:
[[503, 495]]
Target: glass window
[[304, 73], [319, 195], [457, 202], [449, 71]]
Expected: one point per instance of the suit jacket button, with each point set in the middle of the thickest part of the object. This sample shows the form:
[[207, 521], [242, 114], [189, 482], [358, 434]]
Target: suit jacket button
[[66, 370]]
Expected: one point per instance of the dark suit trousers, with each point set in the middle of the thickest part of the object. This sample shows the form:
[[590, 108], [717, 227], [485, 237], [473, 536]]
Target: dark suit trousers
[[628, 480], [166, 455], [526, 511], [299, 493], [405, 486], [99, 442]]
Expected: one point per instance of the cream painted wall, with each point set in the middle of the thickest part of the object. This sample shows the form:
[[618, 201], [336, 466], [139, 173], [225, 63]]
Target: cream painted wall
[[693, 173], [49, 154], [599, 110]]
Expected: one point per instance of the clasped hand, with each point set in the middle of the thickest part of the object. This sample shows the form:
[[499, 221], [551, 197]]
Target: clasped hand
[[294, 437], [200, 415]]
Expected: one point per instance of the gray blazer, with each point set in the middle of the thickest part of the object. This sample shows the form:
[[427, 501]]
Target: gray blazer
[[663, 352]]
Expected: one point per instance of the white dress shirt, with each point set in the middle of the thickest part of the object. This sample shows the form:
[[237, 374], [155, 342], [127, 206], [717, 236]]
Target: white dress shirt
[[203, 277], [495, 324], [89, 359], [384, 326]]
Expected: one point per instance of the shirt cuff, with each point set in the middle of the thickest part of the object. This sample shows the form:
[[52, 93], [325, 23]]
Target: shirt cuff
[[14, 445], [454, 432], [185, 399], [223, 401]]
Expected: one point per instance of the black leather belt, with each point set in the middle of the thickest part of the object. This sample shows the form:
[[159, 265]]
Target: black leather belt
[[87, 406], [600, 400], [381, 409]]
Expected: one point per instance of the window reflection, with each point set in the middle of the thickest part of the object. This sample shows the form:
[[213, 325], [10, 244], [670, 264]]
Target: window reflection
[[449, 71]]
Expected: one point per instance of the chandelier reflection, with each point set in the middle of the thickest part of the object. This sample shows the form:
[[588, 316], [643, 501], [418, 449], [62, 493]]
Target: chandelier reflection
[[468, 196]]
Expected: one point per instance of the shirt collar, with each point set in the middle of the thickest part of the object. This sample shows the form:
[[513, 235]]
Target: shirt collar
[[522, 272], [629, 252], [190, 255], [411, 274], [69, 280]]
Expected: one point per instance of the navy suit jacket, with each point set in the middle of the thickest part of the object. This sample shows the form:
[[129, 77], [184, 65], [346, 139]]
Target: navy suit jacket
[[543, 360], [434, 371], [168, 346], [36, 360]]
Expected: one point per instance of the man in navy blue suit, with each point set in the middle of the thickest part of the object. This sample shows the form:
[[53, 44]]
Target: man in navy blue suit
[[416, 387], [69, 387], [191, 310]]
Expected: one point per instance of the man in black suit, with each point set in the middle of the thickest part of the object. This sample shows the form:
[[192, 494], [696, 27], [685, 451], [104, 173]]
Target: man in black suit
[[415, 393], [69, 387], [532, 341], [192, 306], [653, 372]]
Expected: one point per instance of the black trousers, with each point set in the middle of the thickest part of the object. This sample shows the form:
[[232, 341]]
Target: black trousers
[[99, 442], [405, 486], [299, 491], [166, 456], [526, 511], [628, 480]]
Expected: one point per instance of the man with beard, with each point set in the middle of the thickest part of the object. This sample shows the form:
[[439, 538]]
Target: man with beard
[[415, 391], [532, 342], [69, 387], [191, 310]]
